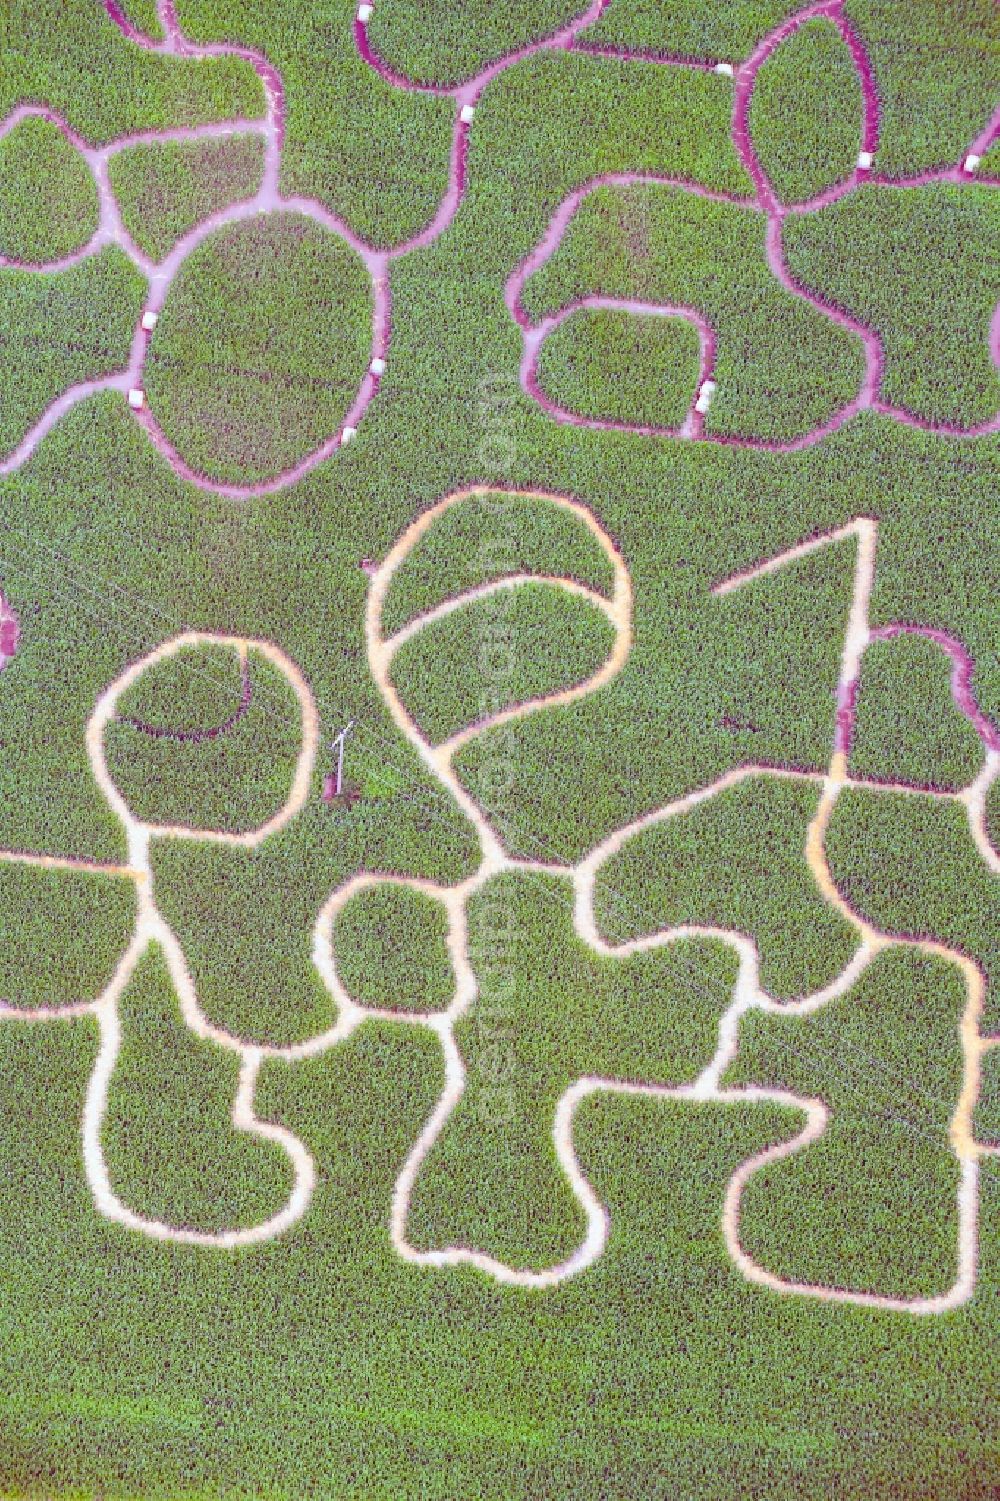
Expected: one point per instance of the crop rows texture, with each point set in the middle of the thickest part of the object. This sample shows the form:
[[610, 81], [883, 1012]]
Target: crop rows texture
[[638, 369], [144, 15], [805, 115], [48, 202], [391, 948], [909, 866], [165, 189], [917, 265], [493, 1179], [886, 1059], [935, 86], [61, 328], [70, 55], [240, 389], [490, 536], [733, 863], [908, 728], [781, 367], [235, 779], [555, 640], [321, 1361]]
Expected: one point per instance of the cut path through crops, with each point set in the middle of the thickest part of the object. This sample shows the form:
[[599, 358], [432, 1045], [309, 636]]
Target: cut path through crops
[[466, 96], [748, 995]]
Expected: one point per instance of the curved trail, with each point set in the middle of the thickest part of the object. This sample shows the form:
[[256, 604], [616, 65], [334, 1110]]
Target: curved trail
[[963, 669], [748, 991], [10, 632], [199, 735], [765, 200], [151, 928], [466, 95]]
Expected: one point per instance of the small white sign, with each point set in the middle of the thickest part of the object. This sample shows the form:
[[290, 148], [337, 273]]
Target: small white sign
[[149, 321], [971, 162], [467, 114], [725, 70], [364, 14], [347, 435], [136, 399], [865, 159], [377, 367]]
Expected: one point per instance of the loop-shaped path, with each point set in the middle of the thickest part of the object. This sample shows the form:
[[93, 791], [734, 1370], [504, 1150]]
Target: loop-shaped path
[[151, 927], [466, 96], [748, 994]]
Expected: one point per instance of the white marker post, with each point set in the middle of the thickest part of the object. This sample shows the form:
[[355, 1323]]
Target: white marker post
[[724, 70], [865, 159], [136, 398], [467, 114], [971, 162], [338, 745]]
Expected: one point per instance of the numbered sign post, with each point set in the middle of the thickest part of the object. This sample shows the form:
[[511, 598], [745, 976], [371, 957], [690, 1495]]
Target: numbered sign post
[[333, 785]]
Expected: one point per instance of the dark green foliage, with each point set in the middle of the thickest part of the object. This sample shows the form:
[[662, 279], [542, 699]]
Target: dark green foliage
[[993, 814], [61, 328], [549, 1010], [781, 367], [908, 864], [908, 728], [62, 933], [375, 155], [172, 1151], [638, 370], [918, 266], [435, 41], [514, 645], [144, 15], [886, 1059], [234, 781], [736, 862], [125, 1364], [935, 72], [986, 1122], [165, 189], [750, 678], [805, 112], [241, 389], [245, 919], [600, 115], [48, 201], [322, 1363], [69, 54], [391, 948], [490, 536], [689, 28]]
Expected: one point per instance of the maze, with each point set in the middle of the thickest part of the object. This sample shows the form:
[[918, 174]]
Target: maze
[[152, 929], [779, 925], [377, 263]]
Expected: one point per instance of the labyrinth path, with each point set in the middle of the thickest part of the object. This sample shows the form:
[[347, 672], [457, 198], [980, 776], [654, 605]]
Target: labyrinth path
[[616, 608]]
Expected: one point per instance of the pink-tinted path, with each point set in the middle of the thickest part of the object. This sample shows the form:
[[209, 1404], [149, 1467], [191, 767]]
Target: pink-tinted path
[[765, 200], [962, 670], [536, 336], [466, 95], [10, 632]]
